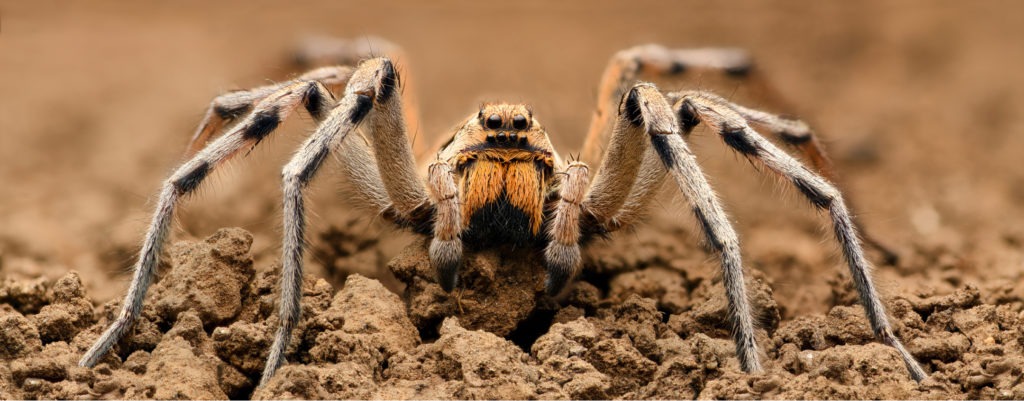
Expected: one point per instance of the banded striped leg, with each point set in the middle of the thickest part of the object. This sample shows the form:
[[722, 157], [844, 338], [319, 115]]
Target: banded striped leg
[[318, 51], [798, 134], [227, 108], [645, 117], [658, 62], [648, 62], [730, 122], [371, 94], [267, 114], [652, 62], [682, 165], [562, 254]]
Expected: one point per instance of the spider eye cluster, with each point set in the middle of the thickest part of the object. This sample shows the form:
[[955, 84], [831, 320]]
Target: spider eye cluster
[[501, 133], [495, 121]]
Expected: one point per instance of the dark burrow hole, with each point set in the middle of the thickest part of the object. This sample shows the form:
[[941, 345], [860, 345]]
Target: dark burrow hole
[[603, 281], [430, 331], [534, 326], [245, 393], [665, 314]]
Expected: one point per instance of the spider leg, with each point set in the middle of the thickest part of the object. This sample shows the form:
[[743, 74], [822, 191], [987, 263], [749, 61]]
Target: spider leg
[[647, 62], [645, 117], [227, 108], [623, 71], [732, 126], [371, 97], [621, 162], [446, 243], [649, 180], [317, 51], [798, 134], [265, 117], [223, 110], [361, 182], [562, 254], [659, 62]]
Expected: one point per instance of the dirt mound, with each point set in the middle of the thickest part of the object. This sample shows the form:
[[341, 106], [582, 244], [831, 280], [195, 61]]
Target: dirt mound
[[650, 332]]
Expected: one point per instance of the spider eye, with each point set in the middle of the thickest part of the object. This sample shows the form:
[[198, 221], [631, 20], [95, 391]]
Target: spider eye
[[493, 122], [519, 122]]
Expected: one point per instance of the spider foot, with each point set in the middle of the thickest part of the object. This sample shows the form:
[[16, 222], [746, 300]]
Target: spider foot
[[447, 257], [562, 263]]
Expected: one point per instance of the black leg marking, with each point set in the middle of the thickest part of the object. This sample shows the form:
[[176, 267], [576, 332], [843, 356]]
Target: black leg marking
[[314, 101], [664, 150], [817, 198], [677, 68], [231, 112], [633, 108], [190, 181], [688, 117], [314, 165], [363, 106], [737, 139], [388, 83], [708, 229], [739, 71], [794, 139], [263, 123]]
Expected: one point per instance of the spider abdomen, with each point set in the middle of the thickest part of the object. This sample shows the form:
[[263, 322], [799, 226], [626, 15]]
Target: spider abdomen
[[499, 223], [503, 198]]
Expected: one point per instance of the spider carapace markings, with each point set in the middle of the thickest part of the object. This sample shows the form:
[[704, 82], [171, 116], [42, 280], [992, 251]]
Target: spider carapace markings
[[497, 180]]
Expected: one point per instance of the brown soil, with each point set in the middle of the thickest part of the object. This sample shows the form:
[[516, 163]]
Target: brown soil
[[918, 103]]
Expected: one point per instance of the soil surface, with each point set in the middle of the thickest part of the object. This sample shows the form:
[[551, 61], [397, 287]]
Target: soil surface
[[918, 104]]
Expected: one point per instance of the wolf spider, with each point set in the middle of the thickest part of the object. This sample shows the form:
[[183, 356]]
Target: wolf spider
[[498, 179]]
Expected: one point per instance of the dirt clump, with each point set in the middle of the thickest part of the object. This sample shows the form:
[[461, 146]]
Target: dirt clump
[[495, 292], [208, 277]]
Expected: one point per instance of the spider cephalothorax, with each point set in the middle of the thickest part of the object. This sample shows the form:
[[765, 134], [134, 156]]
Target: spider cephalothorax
[[498, 181]]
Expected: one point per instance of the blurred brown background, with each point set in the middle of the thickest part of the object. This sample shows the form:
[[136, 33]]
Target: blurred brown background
[[919, 103]]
